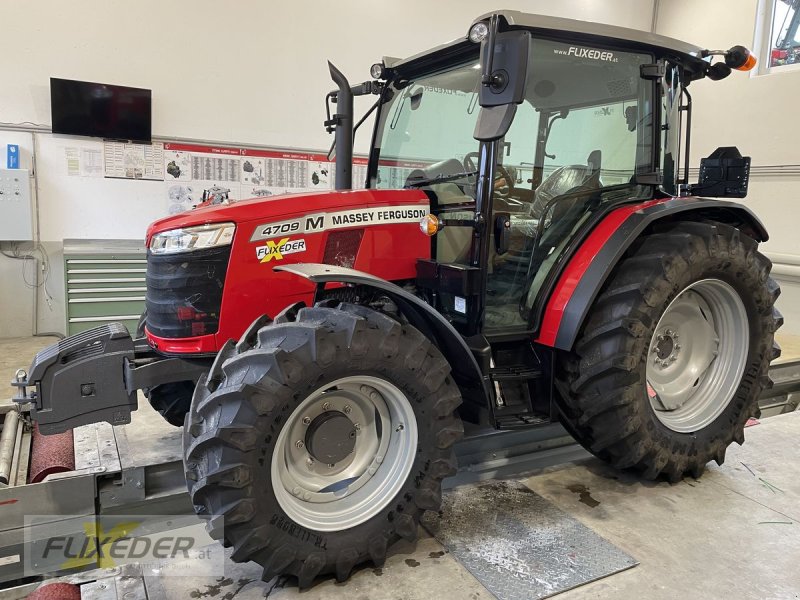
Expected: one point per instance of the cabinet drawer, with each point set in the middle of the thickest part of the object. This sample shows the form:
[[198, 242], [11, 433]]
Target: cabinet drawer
[[84, 259], [103, 287], [106, 273], [81, 290], [105, 307]]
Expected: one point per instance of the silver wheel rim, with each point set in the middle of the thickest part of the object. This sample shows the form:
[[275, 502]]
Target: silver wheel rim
[[697, 355], [331, 498]]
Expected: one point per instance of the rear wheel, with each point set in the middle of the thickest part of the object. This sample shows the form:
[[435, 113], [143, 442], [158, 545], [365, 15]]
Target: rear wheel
[[675, 352], [319, 440]]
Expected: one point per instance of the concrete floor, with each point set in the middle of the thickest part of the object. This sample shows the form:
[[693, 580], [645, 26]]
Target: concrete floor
[[732, 534], [727, 535]]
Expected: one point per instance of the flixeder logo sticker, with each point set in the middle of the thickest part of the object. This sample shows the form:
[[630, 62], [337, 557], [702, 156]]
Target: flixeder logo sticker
[[590, 53], [277, 249]]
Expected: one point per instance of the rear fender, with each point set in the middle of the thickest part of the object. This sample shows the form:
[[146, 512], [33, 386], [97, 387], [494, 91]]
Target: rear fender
[[466, 371], [593, 261]]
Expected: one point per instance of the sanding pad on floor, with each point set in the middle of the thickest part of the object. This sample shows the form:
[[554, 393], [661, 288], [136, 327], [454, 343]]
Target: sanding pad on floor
[[519, 545]]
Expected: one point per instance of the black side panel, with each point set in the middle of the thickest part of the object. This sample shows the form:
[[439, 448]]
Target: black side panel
[[604, 262], [184, 292]]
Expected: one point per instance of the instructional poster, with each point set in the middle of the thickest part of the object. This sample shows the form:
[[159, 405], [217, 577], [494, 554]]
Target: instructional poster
[[133, 161], [190, 169]]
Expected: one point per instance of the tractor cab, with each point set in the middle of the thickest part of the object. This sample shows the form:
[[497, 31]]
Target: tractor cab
[[580, 139], [523, 135]]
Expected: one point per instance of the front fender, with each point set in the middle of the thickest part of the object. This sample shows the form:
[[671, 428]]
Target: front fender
[[593, 261], [466, 371]]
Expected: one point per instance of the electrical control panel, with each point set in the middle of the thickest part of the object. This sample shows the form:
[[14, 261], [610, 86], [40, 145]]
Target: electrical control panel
[[16, 219]]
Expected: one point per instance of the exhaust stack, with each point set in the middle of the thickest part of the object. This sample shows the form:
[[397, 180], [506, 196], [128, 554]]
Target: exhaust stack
[[342, 123]]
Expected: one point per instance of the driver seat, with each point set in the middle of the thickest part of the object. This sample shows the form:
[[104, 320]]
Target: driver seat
[[563, 180]]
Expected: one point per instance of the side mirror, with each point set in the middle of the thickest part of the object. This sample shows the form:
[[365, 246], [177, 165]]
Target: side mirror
[[504, 58], [504, 73], [502, 232]]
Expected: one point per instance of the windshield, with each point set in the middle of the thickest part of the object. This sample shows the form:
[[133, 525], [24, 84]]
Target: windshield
[[429, 121], [576, 144]]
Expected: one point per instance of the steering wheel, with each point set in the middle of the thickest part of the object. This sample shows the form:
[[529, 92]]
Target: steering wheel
[[501, 173], [469, 164], [504, 191]]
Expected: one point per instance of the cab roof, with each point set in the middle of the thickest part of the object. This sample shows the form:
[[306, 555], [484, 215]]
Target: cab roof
[[582, 31]]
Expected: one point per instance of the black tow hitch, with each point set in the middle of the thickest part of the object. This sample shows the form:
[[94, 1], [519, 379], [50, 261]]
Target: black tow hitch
[[93, 376]]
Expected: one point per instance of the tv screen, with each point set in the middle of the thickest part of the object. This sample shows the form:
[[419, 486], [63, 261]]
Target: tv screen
[[100, 110]]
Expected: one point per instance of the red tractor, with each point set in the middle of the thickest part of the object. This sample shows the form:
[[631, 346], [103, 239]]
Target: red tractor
[[528, 248]]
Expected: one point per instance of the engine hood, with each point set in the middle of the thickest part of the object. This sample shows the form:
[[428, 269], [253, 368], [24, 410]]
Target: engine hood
[[286, 205]]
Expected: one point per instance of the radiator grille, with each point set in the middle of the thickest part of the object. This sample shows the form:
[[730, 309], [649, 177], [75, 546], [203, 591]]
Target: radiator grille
[[184, 292]]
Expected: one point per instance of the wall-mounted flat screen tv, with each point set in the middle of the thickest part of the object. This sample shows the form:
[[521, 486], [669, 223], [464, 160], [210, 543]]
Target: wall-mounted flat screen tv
[[101, 110]]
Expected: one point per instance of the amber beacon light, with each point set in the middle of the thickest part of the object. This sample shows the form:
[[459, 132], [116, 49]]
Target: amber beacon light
[[740, 58]]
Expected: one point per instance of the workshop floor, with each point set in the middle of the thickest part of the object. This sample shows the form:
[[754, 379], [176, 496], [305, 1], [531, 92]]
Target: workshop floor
[[731, 534]]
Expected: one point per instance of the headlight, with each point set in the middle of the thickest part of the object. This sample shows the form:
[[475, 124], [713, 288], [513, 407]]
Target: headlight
[[192, 238]]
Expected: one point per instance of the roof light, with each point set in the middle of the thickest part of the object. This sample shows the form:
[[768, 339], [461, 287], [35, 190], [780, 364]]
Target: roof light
[[377, 71], [740, 58], [430, 225], [478, 32]]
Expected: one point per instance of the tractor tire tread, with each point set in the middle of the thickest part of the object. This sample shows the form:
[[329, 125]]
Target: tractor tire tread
[[250, 384], [599, 382]]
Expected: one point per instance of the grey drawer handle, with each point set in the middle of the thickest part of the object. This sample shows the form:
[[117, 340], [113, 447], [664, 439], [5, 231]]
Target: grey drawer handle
[[114, 318], [101, 300], [73, 261], [109, 280], [105, 290], [90, 271]]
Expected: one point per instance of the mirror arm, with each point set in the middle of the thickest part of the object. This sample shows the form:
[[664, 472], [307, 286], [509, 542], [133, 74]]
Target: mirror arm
[[486, 77]]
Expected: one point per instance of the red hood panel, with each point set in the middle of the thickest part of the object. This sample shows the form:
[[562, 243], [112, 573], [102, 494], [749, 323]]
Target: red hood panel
[[299, 228], [285, 205]]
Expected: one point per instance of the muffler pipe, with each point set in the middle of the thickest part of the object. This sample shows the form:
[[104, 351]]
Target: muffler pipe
[[344, 130]]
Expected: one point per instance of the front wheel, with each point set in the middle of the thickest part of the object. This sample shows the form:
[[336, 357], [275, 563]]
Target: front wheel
[[675, 352], [318, 440]]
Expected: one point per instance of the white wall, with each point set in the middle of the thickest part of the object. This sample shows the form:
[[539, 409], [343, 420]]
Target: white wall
[[758, 114], [250, 71]]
